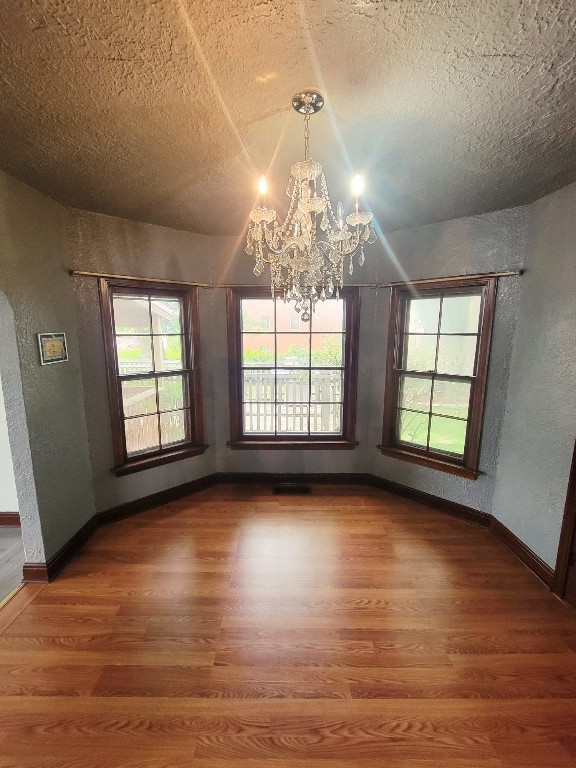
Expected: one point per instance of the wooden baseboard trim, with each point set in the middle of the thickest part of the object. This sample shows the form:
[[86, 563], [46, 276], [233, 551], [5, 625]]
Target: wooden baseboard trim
[[154, 500], [42, 572], [47, 571], [9, 520], [522, 552], [444, 505], [35, 572]]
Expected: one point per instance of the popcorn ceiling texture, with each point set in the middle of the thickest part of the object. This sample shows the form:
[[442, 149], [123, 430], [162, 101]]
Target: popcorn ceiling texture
[[167, 111]]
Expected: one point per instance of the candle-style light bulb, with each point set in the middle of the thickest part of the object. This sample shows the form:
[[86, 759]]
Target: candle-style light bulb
[[357, 185], [357, 188], [262, 191]]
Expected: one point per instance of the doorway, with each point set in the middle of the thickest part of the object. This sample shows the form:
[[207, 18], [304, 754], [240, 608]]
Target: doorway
[[11, 547], [21, 539], [565, 576]]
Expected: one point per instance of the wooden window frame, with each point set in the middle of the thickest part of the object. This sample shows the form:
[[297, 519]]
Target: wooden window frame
[[238, 440], [194, 445], [467, 466]]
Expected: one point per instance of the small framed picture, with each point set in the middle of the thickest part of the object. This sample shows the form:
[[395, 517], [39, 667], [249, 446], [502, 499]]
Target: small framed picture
[[52, 348]]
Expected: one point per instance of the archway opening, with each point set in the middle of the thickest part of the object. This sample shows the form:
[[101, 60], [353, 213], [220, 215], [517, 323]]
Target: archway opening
[[11, 547], [16, 469]]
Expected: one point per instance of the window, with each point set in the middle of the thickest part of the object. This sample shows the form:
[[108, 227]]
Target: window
[[292, 383], [438, 347], [152, 356]]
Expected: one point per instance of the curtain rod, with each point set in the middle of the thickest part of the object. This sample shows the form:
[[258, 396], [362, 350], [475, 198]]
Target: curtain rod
[[80, 273], [421, 281]]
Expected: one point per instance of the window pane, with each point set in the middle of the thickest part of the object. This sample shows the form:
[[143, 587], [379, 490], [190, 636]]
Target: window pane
[[456, 355], [423, 315], [258, 386], [287, 368], [173, 427], [328, 316], [139, 397], [134, 354], [141, 434], [451, 398], [166, 316], [296, 324], [419, 353], [257, 349], [327, 349], [437, 395], [148, 367], [171, 392], [131, 314], [448, 435], [168, 353], [413, 428], [460, 314], [293, 349], [257, 314], [292, 417], [259, 418], [415, 393], [292, 386], [287, 319], [327, 386], [326, 418]]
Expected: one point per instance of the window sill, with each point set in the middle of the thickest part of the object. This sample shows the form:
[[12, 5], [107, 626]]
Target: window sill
[[429, 461], [147, 462], [294, 445]]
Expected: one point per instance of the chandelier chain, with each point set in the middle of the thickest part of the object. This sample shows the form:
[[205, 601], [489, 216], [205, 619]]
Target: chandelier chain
[[307, 136]]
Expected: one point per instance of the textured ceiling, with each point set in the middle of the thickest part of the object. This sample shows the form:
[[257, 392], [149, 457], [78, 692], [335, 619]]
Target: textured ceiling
[[167, 111]]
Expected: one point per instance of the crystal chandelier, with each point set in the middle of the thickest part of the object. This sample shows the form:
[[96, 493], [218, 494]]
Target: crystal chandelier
[[306, 253]]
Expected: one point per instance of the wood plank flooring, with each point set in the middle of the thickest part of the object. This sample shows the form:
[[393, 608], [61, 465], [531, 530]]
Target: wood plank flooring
[[345, 629]]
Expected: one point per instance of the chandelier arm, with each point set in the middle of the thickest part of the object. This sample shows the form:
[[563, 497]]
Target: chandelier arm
[[268, 239], [276, 250], [349, 250]]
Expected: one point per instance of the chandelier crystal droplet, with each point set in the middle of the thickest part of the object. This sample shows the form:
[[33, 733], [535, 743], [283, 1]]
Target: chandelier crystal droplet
[[307, 252]]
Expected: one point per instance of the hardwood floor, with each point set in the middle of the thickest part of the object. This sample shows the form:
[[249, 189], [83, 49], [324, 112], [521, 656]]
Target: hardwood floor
[[344, 629]]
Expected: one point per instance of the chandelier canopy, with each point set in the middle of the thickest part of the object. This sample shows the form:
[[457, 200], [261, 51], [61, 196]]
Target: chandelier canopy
[[306, 253]]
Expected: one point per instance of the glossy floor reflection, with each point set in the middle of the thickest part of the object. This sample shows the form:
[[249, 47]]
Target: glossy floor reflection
[[347, 628]]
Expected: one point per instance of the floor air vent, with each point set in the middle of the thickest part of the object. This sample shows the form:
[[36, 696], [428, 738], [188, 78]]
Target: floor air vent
[[296, 489]]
